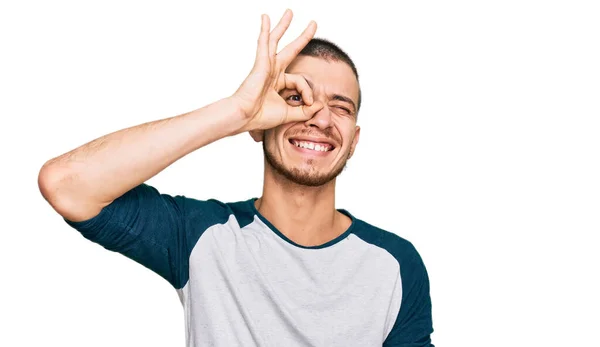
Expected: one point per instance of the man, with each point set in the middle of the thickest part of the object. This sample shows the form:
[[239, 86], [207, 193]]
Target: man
[[286, 269]]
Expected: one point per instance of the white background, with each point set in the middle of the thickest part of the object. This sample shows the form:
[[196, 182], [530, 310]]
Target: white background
[[480, 144]]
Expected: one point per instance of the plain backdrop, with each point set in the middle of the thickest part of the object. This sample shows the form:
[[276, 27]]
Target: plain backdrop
[[480, 144]]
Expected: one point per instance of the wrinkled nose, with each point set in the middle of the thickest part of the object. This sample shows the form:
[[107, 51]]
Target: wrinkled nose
[[321, 119]]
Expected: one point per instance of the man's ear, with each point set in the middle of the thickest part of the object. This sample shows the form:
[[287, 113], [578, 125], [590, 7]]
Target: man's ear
[[354, 142], [257, 135]]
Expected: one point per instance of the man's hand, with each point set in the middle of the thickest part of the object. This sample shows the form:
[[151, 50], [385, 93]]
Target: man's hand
[[258, 96]]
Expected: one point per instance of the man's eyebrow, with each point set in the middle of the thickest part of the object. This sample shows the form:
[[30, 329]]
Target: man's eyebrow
[[337, 97]]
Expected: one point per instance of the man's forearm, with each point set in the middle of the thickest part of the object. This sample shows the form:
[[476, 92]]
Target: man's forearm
[[78, 184]]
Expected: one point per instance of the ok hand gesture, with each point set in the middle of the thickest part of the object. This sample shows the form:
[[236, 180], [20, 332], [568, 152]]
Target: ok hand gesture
[[258, 96]]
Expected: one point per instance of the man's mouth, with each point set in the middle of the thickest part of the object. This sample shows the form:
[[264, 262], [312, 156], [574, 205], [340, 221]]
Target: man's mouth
[[314, 146]]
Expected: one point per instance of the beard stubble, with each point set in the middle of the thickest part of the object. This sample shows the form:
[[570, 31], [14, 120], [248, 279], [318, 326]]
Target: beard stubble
[[299, 176]]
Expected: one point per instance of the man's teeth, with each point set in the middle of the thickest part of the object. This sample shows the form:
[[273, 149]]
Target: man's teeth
[[313, 146]]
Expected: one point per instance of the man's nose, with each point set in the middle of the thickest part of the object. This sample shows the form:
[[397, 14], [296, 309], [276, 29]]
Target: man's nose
[[321, 119]]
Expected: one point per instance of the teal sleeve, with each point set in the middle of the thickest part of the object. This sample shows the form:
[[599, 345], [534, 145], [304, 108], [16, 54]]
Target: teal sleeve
[[413, 327], [153, 229]]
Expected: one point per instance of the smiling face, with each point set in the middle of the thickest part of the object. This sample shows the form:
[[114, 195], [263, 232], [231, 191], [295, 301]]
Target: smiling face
[[314, 152]]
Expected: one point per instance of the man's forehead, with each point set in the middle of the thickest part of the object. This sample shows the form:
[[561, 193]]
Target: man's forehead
[[334, 75]]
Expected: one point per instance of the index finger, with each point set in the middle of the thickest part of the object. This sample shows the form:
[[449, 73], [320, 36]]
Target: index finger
[[285, 57]]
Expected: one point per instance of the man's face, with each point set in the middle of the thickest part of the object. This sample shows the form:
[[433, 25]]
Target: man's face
[[314, 152]]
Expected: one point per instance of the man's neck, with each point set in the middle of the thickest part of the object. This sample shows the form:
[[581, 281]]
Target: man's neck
[[305, 215]]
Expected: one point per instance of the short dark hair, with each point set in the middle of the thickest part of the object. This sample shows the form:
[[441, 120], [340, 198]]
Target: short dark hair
[[327, 50]]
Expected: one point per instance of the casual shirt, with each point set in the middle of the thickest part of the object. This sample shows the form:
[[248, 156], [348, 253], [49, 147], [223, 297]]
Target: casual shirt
[[244, 283]]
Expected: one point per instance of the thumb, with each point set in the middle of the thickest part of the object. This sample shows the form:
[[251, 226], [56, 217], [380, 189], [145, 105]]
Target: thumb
[[304, 112]]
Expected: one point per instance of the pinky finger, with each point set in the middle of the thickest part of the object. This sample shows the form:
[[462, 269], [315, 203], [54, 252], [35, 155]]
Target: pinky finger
[[262, 51]]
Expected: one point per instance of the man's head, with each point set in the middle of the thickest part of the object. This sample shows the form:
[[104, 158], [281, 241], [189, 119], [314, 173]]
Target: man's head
[[315, 152]]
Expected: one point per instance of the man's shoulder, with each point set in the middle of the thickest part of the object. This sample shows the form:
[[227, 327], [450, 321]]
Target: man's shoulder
[[399, 247], [241, 210]]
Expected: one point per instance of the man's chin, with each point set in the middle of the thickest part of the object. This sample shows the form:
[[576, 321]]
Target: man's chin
[[301, 177], [304, 177], [309, 180]]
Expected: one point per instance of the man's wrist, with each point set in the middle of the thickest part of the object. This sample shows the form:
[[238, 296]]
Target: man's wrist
[[241, 120]]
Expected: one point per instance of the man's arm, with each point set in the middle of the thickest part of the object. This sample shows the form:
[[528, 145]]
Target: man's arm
[[78, 184]]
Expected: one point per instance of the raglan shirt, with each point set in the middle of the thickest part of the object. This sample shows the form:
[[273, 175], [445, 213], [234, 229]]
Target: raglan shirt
[[243, 283]]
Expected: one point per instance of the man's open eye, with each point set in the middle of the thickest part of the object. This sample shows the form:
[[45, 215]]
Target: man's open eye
[[295, 98]]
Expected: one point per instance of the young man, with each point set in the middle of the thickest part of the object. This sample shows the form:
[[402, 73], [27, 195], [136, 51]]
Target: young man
[[286, 269]]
